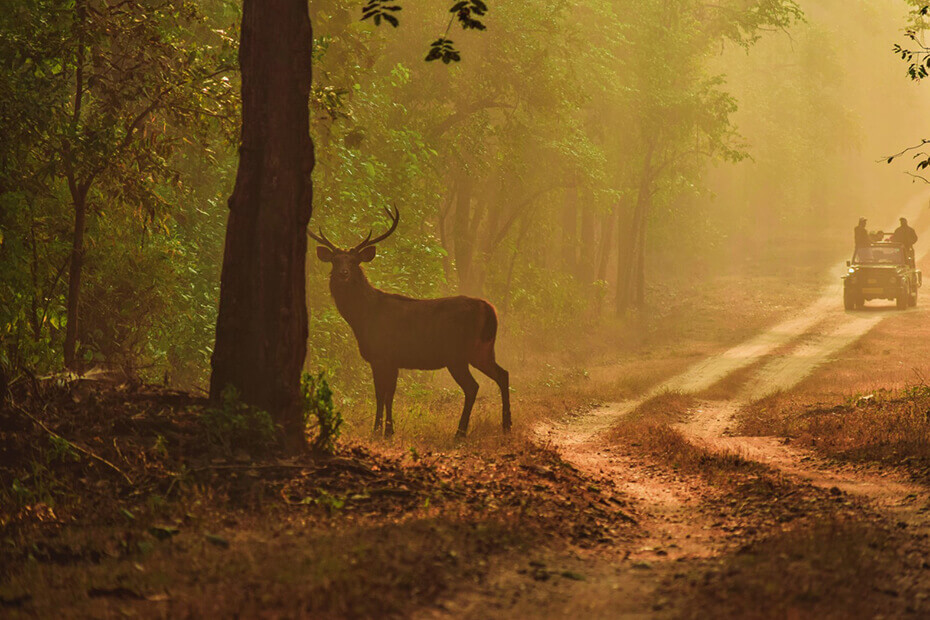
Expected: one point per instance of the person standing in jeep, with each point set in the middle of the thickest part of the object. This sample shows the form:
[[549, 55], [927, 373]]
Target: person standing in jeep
[[862, 234], [904, 234], [907, 237]]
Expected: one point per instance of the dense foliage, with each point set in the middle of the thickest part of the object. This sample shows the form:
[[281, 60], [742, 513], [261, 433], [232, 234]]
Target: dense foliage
[[544, 170], [108, 113]]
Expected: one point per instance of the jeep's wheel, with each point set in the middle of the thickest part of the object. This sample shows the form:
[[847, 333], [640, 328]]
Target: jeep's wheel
[[912, 301], [901, 301], [851, 300]]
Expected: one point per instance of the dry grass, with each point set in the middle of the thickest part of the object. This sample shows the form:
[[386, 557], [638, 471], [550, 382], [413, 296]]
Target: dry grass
[[825, 412], [288, 571], [826, 568], [730, 385], [895, 354], [667, 408], [195, 534], [666, 445], [884, 427]]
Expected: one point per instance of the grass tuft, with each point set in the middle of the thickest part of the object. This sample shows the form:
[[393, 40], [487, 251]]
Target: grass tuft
[[883, 427]]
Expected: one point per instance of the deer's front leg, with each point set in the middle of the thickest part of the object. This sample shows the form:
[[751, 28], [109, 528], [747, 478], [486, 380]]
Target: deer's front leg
[[385, 386]]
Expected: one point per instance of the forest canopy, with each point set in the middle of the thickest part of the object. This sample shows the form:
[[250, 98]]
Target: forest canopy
[[556, 166]]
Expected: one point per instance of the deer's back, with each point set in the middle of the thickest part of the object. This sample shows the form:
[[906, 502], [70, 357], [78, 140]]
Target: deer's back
[[425, 333]]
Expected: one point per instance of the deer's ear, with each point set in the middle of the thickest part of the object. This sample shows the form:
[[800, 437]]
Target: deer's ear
[[324, 254], [367, 254]]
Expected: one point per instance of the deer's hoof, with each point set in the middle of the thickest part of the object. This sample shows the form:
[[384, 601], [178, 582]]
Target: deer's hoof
[[388, 432], [460, 435]]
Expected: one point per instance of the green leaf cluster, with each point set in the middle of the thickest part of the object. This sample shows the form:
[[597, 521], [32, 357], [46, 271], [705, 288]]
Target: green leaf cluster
[[320, 414]]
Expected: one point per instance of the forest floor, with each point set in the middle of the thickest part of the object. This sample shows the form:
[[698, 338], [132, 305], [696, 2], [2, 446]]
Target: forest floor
[[769, 459]]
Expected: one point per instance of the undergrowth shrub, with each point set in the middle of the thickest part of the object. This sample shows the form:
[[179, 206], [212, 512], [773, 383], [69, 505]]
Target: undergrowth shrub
[[234, 425], [320, 414], [891, 427]]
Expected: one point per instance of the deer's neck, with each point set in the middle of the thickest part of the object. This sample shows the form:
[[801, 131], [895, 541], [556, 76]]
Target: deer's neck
[[355, 301]]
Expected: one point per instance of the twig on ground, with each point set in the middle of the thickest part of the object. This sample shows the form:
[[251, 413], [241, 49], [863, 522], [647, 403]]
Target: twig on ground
[[74, 445]]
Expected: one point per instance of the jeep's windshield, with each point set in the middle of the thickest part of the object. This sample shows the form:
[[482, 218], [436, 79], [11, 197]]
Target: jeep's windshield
[[878, 254]]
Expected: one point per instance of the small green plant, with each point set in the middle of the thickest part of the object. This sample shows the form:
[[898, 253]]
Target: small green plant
[[161, 445], [235, 425], [61, 450], [332, 503], [39, 486], [319, 412]]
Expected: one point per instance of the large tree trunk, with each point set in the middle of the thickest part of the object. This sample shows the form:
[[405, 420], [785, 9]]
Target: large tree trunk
[[261, 331]]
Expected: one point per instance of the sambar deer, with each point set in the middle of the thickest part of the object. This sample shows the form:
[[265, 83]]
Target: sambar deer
[[394, 331]]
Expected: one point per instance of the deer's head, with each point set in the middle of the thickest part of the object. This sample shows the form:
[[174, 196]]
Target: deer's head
[[347, 263]]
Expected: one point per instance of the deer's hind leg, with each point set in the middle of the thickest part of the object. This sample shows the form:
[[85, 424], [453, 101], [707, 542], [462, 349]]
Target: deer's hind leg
[[379, 403], [463, 377], [385, 386], [485, 362]]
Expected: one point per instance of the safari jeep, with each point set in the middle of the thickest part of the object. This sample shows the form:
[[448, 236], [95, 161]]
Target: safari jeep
[[882, 270]]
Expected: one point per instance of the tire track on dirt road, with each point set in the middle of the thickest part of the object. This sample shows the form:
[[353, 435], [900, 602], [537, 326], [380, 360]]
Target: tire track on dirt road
[[675, 522], [786, 353]]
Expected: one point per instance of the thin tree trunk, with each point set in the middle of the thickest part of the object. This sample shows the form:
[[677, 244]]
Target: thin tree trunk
[[444, 237], [607, 236], [517, 251], [74, 278], [603, 256], [624, 259], [628, 262], [261, 332], [639, 276], [486, 247], [78, 192], [588, 248], [570, 230], [34, 272], [461, 231]]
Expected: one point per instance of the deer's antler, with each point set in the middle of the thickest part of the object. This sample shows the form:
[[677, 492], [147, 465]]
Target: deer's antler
[[322, 240], [395, 218]]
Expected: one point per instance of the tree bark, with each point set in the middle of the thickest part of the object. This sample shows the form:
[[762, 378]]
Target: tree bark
[[639, 266], [570, 230], [626, 238], [464, 242], [630, 260], [79, 198], [603, 257], [261, 331], [606, 245], [587, 250], [78, 192]]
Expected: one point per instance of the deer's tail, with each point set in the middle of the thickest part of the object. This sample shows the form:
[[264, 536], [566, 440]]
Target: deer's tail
[[489, 329]]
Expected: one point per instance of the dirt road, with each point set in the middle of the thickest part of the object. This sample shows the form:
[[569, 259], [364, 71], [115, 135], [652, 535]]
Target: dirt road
[[675, 527]]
